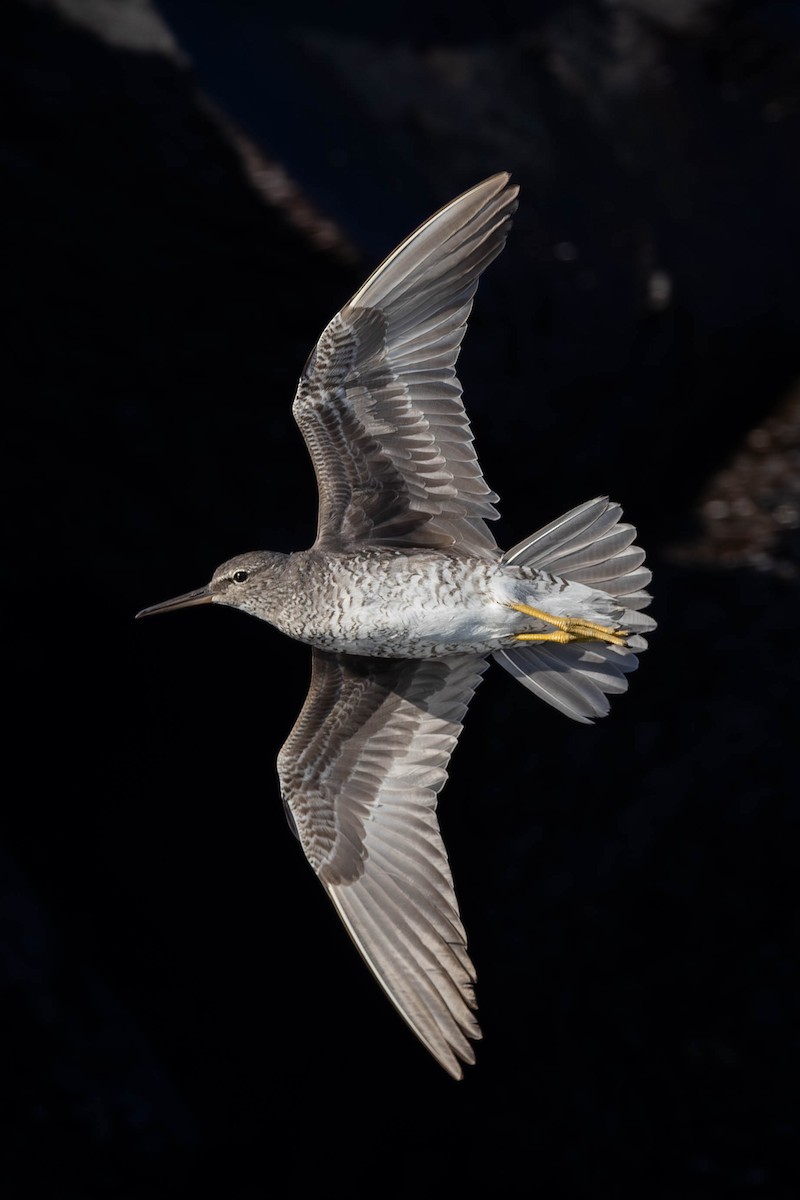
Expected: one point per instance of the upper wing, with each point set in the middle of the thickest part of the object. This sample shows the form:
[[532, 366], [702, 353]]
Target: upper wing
[[379, 404], [359, 776]]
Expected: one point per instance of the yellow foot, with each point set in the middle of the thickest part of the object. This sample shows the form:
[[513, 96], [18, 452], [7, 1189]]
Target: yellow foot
[[570, 629]]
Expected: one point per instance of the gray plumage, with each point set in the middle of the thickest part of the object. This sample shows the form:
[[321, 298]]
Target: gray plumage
[[403, 597]]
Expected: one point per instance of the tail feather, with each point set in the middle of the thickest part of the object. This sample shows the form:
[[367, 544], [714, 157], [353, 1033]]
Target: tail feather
[[578, 528], [638, 579], [573, 678], [588, 545]]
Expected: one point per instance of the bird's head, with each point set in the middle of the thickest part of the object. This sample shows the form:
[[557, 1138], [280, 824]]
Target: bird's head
[[242, 582]]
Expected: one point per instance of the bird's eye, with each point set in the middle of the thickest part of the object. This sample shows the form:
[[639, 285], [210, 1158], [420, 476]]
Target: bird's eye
[[239, 576]]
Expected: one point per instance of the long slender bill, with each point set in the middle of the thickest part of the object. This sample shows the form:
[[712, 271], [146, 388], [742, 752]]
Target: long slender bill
[[188, 600]]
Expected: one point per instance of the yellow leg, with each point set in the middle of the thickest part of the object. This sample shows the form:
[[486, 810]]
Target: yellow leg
[[569, 629]]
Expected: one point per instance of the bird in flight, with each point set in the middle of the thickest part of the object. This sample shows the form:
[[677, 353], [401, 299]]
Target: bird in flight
[[405, 595]]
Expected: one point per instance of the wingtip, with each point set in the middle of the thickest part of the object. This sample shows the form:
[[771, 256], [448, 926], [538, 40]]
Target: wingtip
[[504, 182], [498, 183], [499, 179], [496, 189]]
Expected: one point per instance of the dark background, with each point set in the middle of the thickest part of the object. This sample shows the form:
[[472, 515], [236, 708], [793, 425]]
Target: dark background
[[181, 214]]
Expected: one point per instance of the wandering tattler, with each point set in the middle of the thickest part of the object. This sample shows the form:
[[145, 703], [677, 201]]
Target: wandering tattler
[[403, 597]]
